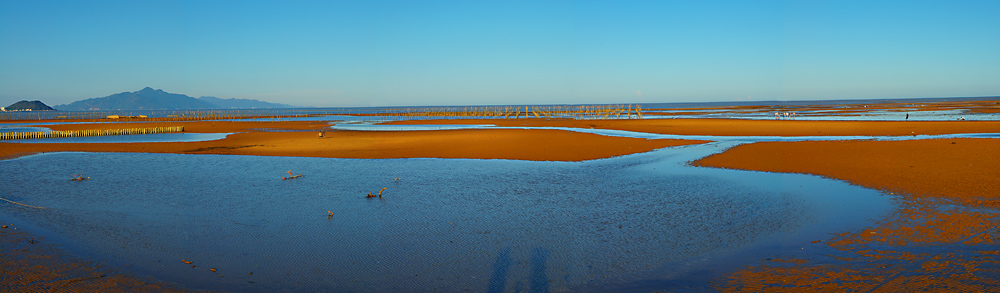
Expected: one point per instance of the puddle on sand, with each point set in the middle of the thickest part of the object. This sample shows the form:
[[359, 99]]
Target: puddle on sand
[[640, 221], [4, 129]]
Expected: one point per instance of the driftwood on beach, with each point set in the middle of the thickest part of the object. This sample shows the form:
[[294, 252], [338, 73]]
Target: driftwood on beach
[[379, 195]]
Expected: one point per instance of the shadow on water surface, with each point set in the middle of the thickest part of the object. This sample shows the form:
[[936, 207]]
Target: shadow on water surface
[[500, 267], [539, 275], [446, 225]]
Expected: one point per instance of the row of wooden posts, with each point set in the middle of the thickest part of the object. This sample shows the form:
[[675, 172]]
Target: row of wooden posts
[[92, 132], [176, 116], [593, 112]]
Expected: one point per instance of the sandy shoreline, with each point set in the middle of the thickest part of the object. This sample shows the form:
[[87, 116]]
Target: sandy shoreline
[[921, 172], [943, 184], [955, 166], [958, 169], [301, 139]]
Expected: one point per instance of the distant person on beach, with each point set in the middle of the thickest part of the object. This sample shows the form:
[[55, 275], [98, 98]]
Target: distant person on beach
[[907, 116]]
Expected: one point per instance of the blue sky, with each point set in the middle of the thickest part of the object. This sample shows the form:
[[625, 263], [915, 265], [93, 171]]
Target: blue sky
[[393, 53]]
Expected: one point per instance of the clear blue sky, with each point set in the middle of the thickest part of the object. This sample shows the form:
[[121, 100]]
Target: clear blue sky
[[386, 53]]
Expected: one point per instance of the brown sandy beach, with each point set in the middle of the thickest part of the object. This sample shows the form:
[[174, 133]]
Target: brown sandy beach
[[300, 139], [942, 182], [921, 172], [961, 169]]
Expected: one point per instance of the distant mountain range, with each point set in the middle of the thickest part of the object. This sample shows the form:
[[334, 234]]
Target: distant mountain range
[[29, 105], [150, 99]]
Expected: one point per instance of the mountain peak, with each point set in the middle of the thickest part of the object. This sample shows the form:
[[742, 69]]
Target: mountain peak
[[144, 99], [157, 99], [29, 105]]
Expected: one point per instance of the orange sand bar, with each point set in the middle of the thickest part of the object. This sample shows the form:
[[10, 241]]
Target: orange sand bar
[[921, 172], [736, 127], [962, 169], [282, 140]]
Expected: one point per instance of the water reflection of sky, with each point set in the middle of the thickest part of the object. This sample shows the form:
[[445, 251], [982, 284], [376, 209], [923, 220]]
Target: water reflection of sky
[[446, 225], [5, 128]]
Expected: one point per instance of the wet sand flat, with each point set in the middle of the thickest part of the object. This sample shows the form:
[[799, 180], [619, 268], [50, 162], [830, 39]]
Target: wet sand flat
[[31, 264], [734, 127], [539, 145], [943, 182], [942, 238], [30, 267], [960, 169]]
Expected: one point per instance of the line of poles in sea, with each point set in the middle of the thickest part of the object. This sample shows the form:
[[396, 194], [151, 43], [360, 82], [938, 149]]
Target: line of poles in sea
[[579, 112], [91, 132], [627, 111], [156, 115]]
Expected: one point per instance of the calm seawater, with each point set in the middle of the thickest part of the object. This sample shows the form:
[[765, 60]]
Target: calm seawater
[[639, 222]]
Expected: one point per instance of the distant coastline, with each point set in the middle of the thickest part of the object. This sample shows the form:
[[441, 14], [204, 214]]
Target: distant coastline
[[158, 99]]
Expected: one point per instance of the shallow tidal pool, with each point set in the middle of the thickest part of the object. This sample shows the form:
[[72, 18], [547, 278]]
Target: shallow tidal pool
[[639, 222]]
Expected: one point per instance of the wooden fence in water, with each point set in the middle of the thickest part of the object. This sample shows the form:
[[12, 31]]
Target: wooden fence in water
[[92, 132], [568, 111]]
